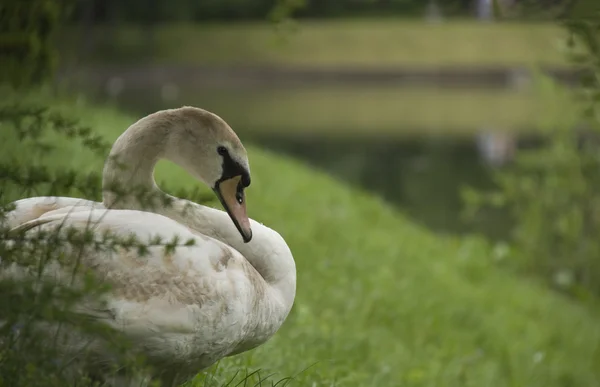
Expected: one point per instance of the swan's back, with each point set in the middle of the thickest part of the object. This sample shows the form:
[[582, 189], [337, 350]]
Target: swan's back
[[33, 208], [183, 309]]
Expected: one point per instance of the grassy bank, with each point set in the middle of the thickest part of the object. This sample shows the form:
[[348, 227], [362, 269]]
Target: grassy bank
[[367, 111], [343, 43], [382, 302]]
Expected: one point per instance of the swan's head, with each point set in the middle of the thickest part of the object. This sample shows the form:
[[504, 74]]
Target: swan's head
[[207, 147]]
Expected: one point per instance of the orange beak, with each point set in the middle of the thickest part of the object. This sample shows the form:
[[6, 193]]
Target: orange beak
[[231, 195]]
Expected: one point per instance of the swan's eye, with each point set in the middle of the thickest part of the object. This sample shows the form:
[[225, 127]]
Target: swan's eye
[[221, 150], [240, 197]]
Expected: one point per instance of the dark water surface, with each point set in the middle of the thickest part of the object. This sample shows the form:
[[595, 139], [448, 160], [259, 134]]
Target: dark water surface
[[423, 177]]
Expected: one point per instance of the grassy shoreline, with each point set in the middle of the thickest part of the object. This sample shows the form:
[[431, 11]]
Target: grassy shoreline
[[367, 111], [368, 43]]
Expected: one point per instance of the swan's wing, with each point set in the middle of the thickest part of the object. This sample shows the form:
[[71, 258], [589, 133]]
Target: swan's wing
[[33, 208], [205, 290]]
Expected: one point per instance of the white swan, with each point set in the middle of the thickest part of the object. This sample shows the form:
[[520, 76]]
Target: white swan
[[224, 295]]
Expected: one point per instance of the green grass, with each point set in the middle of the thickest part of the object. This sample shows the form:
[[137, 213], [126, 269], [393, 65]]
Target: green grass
[[381, 301], [378, 111], [371, 111], [370, 43]]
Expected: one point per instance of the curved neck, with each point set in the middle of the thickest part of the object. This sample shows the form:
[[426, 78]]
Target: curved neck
[[129, 168]]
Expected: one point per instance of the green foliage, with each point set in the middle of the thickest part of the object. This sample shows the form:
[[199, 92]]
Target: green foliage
[[37, 311], [26, 31], [551, 191], [139, 11]]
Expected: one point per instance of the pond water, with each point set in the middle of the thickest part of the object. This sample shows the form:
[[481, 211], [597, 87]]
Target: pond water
[[423, 177]]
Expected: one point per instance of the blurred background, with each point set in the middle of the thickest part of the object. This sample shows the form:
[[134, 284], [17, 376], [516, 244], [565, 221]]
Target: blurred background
[[410, 99]]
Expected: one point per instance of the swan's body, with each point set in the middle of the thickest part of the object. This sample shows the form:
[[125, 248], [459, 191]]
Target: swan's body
[[186, 310]]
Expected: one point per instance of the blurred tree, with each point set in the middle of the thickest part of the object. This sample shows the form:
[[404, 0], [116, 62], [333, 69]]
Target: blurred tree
[[87, 22], [139, 11], [26, 31], [547, 9]]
